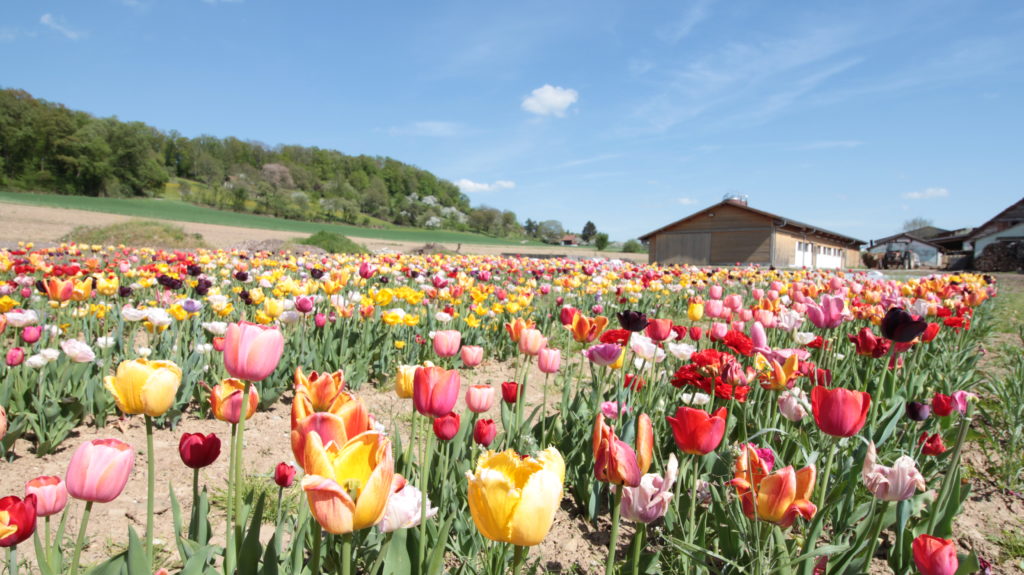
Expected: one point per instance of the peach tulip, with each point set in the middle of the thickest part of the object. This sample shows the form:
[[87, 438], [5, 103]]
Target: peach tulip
[[51, 494], [99, 470], [447, 342], [471, 355], [479, 398], [252, 351], [778, 497], [226, 400], [531, 341]]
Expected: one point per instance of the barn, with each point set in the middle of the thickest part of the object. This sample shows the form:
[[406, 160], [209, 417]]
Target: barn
[[1006, 226], [919, 241], [732, 232]]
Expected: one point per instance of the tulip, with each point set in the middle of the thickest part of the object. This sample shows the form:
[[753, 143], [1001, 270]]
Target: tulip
[[839, 412], [347, 486], [895, 483], [695, 311], [918, 411], [226, 400], [868, 344], [252, 351], [585, 330], [447, 426], [345, 418], [516, 327], [143, 386], [284, 475], [778, 497], [695, 332], [58, 289], [435, 390], [718, 331], [930, 332], [198, 450], [714, 308], [472, 355], [484, 432], [549, 360], [632, 320], [615, 461], [695, 431], [829, 314], [715, 292], [733, 301], [942, 404], [510, 392], [649, 500], [17, 519], [447, 342], [758, 337], [479, 398], [932, 444], [776, 377], [567, 314], [513, 499], [934, 555], [99, 470], [531, 341], [15, 356], [404, 378], [900, 326], [404, 507], [3, 422], [78, 351], [320, 320], [31, 333], [606, 354], [960, 399], [659, 329], [320, 389], [304, 304], [793, 404], [50, 494]]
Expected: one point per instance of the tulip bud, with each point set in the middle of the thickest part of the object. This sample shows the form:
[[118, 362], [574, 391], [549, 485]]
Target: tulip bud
[[549, 360], [471, 355], [446, 426], [31, 333], [934, 555], [198, 450], [695, 333], [320, 320], [484, 432], [51, 495], [15, 356], [284, 475], [510, 392], [304, 304], [918, 411]]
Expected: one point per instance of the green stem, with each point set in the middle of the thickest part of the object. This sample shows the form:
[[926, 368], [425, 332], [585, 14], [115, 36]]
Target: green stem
[[823, 487], [544, 415], [517, 559], [318, 535], [150, 489], [613, 540], [229, 533], [954, 464], [638, 545], [421, 557], [12, 560], [692, 523], [240, 462], [346, 554], [80, 541]]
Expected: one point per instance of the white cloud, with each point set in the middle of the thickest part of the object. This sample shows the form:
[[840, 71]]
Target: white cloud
[[927, 194], [550, 100], [50, 22], [687, 201], [471, 187], [432, 129]]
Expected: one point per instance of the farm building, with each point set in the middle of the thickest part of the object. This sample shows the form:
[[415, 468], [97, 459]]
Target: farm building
[[731, 232], [919, 241], [1006, 226]]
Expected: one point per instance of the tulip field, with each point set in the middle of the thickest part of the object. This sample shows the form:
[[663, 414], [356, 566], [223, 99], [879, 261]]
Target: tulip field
[[295, 413]]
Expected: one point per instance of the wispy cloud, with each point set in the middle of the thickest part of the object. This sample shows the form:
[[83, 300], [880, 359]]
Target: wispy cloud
[[432, 129], [8, 35], [927, 194], [550, 100], [591, 160], [694, 14], [471, 187], [58, 25], [686, 201], [828, 145]]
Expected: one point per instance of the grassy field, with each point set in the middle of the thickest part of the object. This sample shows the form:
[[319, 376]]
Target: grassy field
[[176, 210], [137, 233]]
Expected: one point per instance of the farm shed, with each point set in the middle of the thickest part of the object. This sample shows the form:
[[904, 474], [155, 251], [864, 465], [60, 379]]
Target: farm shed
[[1007, 225], [732, 232], [929, 253]]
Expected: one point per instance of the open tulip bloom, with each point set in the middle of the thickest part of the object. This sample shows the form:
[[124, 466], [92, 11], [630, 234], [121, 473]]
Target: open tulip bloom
[[779, 497]]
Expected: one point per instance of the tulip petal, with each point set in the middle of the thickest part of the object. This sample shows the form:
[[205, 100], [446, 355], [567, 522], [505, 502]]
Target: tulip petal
[[330, 504]]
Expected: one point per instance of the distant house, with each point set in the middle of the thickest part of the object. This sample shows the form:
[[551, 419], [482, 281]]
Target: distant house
[[732, 232], [570, 240], [1007, 225], [929, 253]]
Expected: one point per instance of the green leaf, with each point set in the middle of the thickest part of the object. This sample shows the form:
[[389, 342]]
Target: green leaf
[[176, 518], [138, 559], [249, 558], [398, 561], [437, 556]]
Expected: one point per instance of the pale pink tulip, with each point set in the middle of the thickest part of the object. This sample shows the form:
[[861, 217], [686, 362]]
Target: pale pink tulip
[[447, 342], [252, 351], [51, 495], [479, 398], [549, 360], [471, 355], [99, 470], [531, 341], [895, 483], [650, 499]]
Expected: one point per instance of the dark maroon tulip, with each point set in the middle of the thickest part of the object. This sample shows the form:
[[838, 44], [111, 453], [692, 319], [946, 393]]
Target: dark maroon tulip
[[198, 450], [900, 326], [918, 411], [284, 474], [632, 320]]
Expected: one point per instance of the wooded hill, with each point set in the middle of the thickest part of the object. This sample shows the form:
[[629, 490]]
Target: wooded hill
[[45, 146]]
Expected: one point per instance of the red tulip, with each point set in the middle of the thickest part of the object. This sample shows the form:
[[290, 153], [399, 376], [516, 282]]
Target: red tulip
[[933, 444], [942, 404], [695, 332], [484, 432], [435, 390], [99, 470], [659, 329], [930, 332], [839, 412], [447, 426], [198, 450], [17, 519], [50, 493], [284, 474], [614, 461], [696, 432], [510, 392], [566, 314], [934, 555], [252, 351]]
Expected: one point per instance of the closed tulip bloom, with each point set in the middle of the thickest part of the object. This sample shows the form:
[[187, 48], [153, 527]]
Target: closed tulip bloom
[[566, 315], [942, 404], [758, 337], [252, 351], [632, 320], [778, 497], [99, 470], [918, 411], [513, 499], [143, 386], [226, 400], [934, 555], [549, 360], [644, 442], [447, 342], [715, 292], [31, 333], [715, 308], [695, 431], [900, 326], [615, 461], [17, 519], [509, 392], [793, 404], [50, 493], [606, 354], [198, 450], [284, 475], [695, 311], [659, 329], [649, 500], [15, 356], [404, 507], [447, 426], [348, 486], [895, 483], [733, 301], [484, 432], [531, 341], [839, 412], [435, 390], [404, 381], [3, 422], [321, 388], [479, 398], [471, 355]]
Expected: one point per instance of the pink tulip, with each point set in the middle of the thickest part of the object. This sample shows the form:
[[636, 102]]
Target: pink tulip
[[758, 336], [367, 270], [252, 351], [650, 499], [766, 317], [435, 390], [715, 292], [745, 315], [603, 354], [733, 301], [304, 304], [531, 341], [479, 398], [718, 331], [895, 483], [757, 293], [320, 320], [829, 314], [472, 355], [714, 308], [549, 360], [31, 333], [447, 342], [15, 356], [99, 470], [51, 495]]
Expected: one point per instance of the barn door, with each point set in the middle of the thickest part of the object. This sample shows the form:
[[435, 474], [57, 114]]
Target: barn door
[[689, 248]]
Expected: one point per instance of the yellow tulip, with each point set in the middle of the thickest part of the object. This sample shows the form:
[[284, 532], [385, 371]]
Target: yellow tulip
[[514, 499], [695, 312], [273, 307], [143, 386], [403, 381], [108, 286], [348, 486]]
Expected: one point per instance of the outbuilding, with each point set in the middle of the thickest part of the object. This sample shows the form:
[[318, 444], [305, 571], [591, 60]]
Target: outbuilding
[[919, 241], [1006, 226], [731, 232]]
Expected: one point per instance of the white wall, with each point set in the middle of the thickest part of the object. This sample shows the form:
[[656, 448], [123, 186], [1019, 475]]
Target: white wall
[[929, 255], [980, 243]]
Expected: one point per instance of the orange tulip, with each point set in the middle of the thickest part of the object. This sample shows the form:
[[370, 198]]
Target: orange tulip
[[585, 330], [515, 329], [344, 418], [58, 289], [777, 497], [226, 400], [321, 388]]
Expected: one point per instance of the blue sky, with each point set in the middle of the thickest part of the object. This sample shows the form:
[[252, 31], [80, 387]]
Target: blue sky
[[853, 116]]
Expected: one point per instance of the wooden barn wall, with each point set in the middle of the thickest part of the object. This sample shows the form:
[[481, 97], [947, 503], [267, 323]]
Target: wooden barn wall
[[785, 249], [748, 246], [723, 218]]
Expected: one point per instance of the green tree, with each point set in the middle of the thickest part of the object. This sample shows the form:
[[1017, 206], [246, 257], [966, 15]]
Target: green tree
[[632, 247], [550, 231], [589, 230], [601, 241]]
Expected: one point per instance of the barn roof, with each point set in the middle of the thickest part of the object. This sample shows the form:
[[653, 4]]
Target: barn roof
[[783, 222], [909, 235], [1011, 215]]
